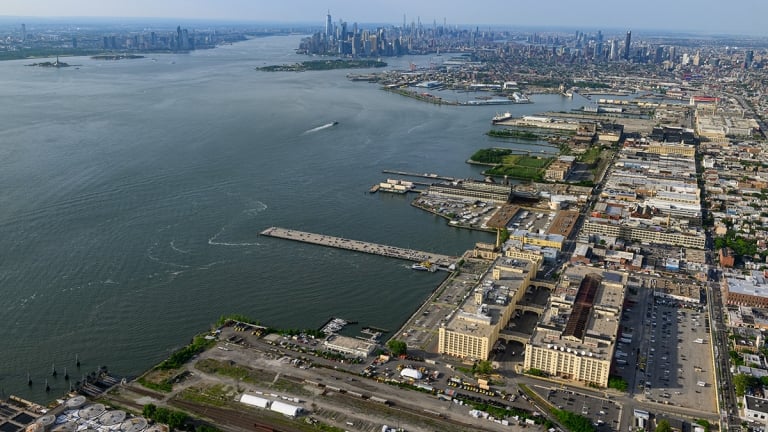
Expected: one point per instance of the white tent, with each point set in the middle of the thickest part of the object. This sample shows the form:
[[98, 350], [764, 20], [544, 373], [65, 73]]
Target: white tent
[[411, 373], [254, 400], [285, 409]]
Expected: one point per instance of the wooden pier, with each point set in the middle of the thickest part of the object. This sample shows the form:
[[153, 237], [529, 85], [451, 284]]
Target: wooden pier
[[442, 261]]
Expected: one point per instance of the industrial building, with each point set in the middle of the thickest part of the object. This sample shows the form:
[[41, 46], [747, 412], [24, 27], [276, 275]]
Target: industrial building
[[524, 237], [741, 290], [471, 330], [576, 338], [349, 346], [651, 195], [693, 239], [472, 190]]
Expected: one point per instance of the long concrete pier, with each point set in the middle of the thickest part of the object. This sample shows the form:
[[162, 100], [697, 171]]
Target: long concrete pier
[[443, 261], [425, 175]]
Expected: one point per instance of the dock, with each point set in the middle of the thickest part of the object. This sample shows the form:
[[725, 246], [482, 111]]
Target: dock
[[423, 175], [442, 261]]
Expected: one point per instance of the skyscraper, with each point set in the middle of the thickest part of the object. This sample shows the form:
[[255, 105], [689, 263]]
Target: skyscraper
[[328, 25], [626, 45], [749, 57], [614, 54], [23, 32], [599, 44]]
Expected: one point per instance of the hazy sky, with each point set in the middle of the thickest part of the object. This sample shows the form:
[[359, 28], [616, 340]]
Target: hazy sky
[[706, 16]]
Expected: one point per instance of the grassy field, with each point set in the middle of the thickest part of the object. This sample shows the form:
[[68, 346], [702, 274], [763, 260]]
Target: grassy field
[[526, 161], [522, 167]]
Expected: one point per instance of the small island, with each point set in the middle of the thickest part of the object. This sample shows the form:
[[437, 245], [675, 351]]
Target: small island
[[117, 57], [320, 65], [53, 64]]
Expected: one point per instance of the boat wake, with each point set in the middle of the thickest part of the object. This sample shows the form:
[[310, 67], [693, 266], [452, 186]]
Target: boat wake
[[414, 128], [257, 208], [174, 247], [213, 241], [319, 128], [158, 260]]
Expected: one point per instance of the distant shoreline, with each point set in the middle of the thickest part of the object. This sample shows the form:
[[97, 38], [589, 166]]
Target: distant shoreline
[[117, 57], [320, 65]]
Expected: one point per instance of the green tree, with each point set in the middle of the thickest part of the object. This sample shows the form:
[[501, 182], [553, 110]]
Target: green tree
[[483, 367], [397, 347], [574, 422], [162, 415], [492, 155], [663, 426], [617, 383], [176, 419], [704, 423], [149, 411], [744, 382], [504, 235]]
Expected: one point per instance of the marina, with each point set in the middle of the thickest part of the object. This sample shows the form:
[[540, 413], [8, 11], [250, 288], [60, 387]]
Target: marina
[[443, 262], [334, 325]]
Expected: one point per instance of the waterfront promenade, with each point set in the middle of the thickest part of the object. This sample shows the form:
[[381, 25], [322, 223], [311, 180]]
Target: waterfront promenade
[[443, 261]]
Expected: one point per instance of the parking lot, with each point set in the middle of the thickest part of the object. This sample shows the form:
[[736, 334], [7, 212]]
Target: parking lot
[[531, 220], [603, 412], [460, 212], [675, 358], [420, 332]]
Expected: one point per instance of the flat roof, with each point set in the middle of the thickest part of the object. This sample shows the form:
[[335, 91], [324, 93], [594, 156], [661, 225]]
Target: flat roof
[[754, 285], [585, 308], [503, 216], [563, 223], [349, 343], [757, 404], [478, 320]]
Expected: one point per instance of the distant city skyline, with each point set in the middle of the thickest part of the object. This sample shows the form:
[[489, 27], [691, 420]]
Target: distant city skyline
[[738, 17]]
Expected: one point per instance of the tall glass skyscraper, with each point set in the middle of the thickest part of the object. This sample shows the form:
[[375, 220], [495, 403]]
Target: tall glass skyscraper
[[626, 45]]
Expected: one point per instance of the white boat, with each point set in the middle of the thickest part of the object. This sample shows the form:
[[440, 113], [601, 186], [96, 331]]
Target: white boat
[[502, 117], [424, 266]]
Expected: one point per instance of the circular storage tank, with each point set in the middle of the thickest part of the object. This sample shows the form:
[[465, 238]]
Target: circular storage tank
[[91, 411], [69, 426], [111, 418], [135, 424], [46, 421], [35, 427], [76, 402]]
